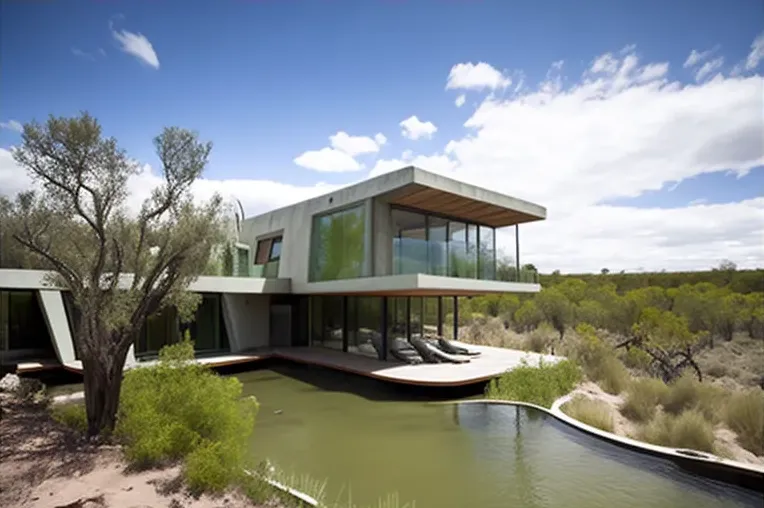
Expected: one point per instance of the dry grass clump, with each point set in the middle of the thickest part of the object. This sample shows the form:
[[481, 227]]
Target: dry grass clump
[[539, 339], [491, 333], [745, 415], [688, 430], [741, 359], [598, 360], [643, 396], [688, 393], [591, 412]]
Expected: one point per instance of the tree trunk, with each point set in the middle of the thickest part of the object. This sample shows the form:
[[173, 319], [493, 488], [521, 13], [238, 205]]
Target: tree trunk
[[102, 375]]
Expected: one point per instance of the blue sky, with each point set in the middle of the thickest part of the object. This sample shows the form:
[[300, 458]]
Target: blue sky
[[269, 80]]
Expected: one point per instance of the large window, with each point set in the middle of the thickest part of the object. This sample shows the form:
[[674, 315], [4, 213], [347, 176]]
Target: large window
[[365, 325], [326, 314], [22, 323], [435, 245], [207, 329], [409, 242], [338, 248], [267, 257]]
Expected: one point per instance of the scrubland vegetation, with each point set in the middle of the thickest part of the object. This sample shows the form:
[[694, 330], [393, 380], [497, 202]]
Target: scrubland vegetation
[[685, 355]]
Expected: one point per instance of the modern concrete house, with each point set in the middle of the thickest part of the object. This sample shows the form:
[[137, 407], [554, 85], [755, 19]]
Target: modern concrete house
[[345, 273]]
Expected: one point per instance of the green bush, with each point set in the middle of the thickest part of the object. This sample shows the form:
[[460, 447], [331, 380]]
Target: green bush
[[642, 399], [599, 361], [71, 415], [591, 412], [745, 415], [540, 385], [636, 358], [539, 339], [689, 393], [688, 430], [177, 410]]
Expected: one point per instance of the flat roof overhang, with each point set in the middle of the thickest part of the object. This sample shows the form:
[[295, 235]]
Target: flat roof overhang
[[444, 196], [36, 279], [413, 285]]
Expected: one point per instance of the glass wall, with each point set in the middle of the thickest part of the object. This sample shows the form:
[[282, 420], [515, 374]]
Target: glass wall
[[337, 249], [437, 237], [364, 325], [23, 325], [409, 242], [438, 246], [360, 325], [327, 321], [206, 329], [487, 254]]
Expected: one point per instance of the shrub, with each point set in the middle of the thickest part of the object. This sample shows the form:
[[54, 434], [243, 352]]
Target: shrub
[[688, 430], [636, 358], [745, 415], [591, 412], [539, 339], [71, 415], [181, 410], [642, 398], [688, 393], [599, 361], [540, 385]]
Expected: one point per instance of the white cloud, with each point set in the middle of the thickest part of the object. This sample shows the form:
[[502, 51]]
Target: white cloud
[[757, 53], [413, 128], [479, 76], [12, 125], [695, 57], [708, 67], [353, 145], [138, 45], [460, 101], [380, 139], [329, 160], [569, 148]]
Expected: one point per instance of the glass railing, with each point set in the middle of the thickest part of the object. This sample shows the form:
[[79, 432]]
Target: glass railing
[[269, 270]]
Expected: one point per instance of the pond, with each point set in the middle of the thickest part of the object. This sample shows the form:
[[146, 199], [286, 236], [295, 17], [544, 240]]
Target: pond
[[371, 439]]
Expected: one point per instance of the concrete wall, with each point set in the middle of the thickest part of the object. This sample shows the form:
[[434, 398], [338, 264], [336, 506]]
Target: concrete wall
[[52, 303], [246, 320], [382, 244]]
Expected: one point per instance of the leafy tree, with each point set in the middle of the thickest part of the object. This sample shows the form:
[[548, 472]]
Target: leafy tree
[[528, 316], [729, 313], [593, 313], [668, 340], [120, 268], [604, 271], [556, 309], [752, 315], [573, 289]]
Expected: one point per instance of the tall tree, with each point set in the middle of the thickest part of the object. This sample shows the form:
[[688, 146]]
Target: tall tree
[[120, 266]]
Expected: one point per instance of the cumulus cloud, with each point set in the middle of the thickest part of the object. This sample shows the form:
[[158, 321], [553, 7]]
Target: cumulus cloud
[[413, 128], [330, 160], [460, 101], [12, 125], [380, 139], [137, 45], [479, 76]]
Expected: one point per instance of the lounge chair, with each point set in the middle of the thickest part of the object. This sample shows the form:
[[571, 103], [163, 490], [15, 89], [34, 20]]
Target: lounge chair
[[431, 354], [403, 351], [453, 349]]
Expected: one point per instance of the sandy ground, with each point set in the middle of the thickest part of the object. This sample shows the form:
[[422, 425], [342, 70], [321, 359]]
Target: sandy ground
[[44, 465], [726, 439]]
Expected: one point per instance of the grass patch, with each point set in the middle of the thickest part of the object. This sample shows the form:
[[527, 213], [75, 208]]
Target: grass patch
[[179, 410], [688, 430], [688, 393], [540, 385], [591, 412], [71, 415], [642, 399], [745, 415]]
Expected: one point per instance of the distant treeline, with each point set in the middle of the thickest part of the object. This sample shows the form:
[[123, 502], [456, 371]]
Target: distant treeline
[[737, 281]]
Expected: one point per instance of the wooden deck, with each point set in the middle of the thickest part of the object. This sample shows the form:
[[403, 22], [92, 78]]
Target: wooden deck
[[491, 363]]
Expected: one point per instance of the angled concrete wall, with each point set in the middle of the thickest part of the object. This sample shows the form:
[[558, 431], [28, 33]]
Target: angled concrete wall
[[247, 320], [52, 303]]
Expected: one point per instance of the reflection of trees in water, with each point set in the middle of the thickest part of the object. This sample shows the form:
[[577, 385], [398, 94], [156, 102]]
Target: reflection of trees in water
[[525, 476], [518, 470], [339, 242]]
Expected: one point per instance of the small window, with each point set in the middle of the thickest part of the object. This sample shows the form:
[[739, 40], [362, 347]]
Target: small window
[[263, 251], [275, 249]]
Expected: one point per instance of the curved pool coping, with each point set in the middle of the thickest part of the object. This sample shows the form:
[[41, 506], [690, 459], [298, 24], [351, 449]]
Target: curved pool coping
[[730, 471]]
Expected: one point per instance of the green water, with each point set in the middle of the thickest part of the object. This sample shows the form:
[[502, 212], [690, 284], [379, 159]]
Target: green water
[[364, 437]]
